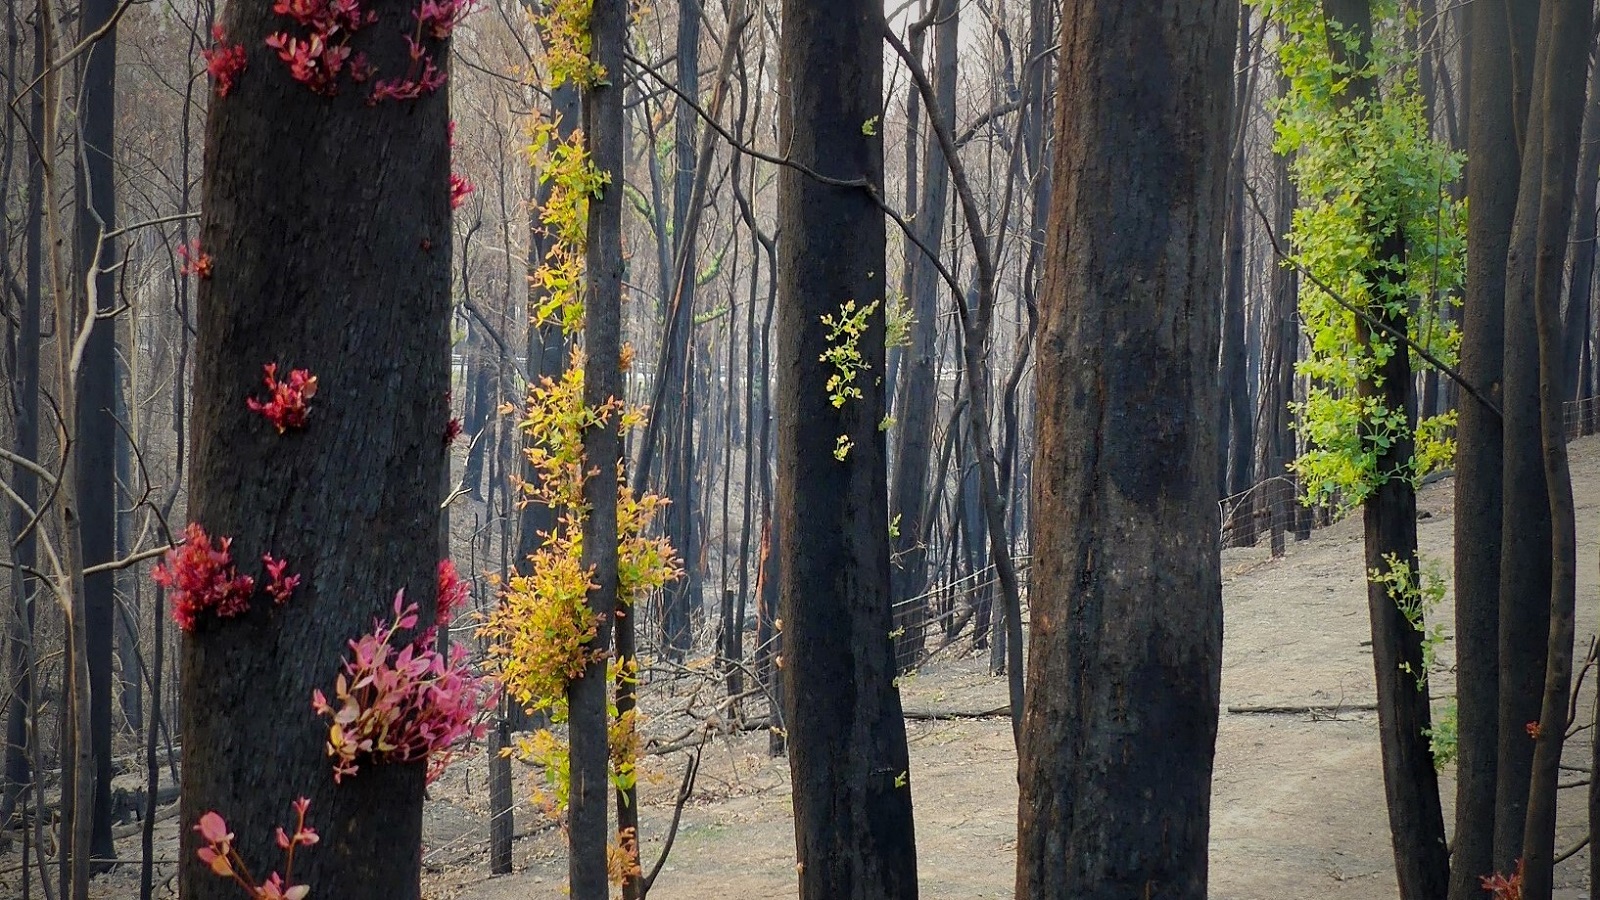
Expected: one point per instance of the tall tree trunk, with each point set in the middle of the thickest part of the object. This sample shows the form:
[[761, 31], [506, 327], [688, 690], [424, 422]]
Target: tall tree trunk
[[1116, 757], [1544, 205], [847, 747], [918, 387], [602, 452], [18, 773], [328, 221], [1580, 288], [1238, 427], [96, 428], [1525, 505], [1389, 514], [1492, 173]]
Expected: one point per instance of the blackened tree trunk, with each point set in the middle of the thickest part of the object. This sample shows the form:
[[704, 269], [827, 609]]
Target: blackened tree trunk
[[602, 452], [1544, 205], [1389, 515], [847, 746], [1492, 173], [96, 433], [1238, 426], [1525, 506], [18, 768], [328, 222], [918, 387], [1116, 753]]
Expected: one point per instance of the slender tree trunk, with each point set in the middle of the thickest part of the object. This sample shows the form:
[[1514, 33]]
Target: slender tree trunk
[[847, 748], [1544, 204], [96, 429], [24, 545], [1525, 506], [602, 451], [1492, 173], [1116, 758], [1580, 287], [918, 387], [1389, 513]]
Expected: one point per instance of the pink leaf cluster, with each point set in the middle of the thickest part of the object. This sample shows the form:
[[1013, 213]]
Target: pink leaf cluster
[[224, 861], [411, 704], [422, 76], [437, 18], [193, 261], [1501, 887], [201, 577], [460, 188], [224, 62], [317, 59], [286, 406], [279, 587]]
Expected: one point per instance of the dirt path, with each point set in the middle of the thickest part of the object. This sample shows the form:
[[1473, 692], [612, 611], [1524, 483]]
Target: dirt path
[[1298, 799]]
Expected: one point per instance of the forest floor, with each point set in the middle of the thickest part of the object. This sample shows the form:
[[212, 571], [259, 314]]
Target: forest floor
[[1298, 806]]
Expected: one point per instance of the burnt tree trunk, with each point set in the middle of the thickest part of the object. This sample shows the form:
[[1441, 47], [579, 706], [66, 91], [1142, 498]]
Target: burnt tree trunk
[[1544, 205], [328, 221], [1525, 506], [1389, 514], [1116, 754], [917, 378], [847, 747], [1492, 173]]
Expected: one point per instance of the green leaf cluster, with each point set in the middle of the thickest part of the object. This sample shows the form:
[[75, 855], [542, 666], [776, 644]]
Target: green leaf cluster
[[1367, 169]]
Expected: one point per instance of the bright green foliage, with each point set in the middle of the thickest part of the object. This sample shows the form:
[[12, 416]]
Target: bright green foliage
[[898, 319], [844, 351], [1419, 603], [844, 354], [1365, 171]]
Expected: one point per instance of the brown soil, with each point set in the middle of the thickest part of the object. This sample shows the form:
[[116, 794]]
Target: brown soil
[[1298, 799]]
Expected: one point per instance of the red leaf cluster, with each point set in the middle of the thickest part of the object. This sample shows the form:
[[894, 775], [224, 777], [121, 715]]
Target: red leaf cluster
[[201, 577], [280, 588], [224, 62], [286, 406], [193, 261], [1502, 888], [316, 59], [460, 187]]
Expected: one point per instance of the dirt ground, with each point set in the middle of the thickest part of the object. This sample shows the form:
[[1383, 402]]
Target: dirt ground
[[1298, 799]]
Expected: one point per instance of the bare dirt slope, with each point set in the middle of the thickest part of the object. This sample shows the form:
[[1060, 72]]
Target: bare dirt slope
[[1298, 808]]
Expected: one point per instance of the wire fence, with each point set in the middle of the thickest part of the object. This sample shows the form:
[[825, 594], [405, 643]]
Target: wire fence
[[1272, 509]]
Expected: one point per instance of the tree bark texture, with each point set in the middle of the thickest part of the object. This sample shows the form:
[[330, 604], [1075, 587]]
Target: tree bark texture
[[1492, 173], [1124, 672], [328, 222], [847, 752]]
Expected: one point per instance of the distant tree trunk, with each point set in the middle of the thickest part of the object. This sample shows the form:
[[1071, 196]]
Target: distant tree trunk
[[25, 388], [1525, 505], [1544, 205], [1238, 427], [479, 409], [602, 451], [129, 686], [335, 269], [1277, 383], [96, 433], [1389, 513], [1116, 758], [1580, 288], [1492, 173], [847, 749], [918, 387]]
